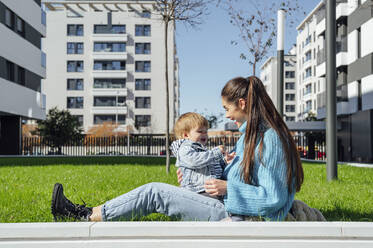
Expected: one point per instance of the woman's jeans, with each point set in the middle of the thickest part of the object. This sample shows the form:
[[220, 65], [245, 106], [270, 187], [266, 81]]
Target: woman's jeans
[[166, 199]]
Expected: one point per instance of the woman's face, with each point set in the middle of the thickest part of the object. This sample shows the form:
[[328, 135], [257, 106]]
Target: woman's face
[[235, 112]]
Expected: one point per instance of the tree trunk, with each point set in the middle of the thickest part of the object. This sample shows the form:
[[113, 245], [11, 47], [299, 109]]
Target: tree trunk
[[254, 65], [167, 98]]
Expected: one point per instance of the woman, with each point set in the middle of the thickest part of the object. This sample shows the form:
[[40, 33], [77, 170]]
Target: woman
[[261, 181]]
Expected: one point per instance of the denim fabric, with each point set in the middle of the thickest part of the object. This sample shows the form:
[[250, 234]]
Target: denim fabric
[[166, 199], [197, 163]]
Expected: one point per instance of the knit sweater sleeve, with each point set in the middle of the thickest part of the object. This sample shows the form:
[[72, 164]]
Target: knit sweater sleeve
[[193, 159], [271, 192]]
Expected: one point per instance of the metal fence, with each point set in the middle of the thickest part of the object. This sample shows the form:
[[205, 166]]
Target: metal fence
[[144, 145]]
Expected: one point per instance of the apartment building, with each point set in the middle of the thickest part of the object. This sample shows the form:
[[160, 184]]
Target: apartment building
[[308, 46], [268, 75], [22, 66], [354, 65], [106, 63]]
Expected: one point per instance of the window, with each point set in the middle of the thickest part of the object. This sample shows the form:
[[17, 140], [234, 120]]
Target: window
[[308, 89], [308, 56], [109, 47], [143, 84], [142, 30], [99, 119], [290, 118], [21, 75], [20, 24], [109, 83], [290, 108], [286, 63], [105, 29], [75, 102], [75, 66], [80, 119], [145, 14], [105, 65], [75, 84], [9, 18], [142, 48], [142, 102], [142, 66], [308, 106], [75, 48], [289, 74], [290, 97], [109, 101], [75, 30], [308, 40], [308, 72], [142, 121], [290, 86], [10, 71]]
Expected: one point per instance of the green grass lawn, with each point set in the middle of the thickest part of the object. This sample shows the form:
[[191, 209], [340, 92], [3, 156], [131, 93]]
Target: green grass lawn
[[25, 190]]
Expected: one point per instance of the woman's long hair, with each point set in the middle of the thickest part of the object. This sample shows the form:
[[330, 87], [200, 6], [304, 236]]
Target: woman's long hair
[[260, 109]]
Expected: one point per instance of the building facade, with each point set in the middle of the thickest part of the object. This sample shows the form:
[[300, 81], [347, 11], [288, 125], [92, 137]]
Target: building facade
[[354, 69], [308, 47], [268, 75], [22, 67], [106, 63]]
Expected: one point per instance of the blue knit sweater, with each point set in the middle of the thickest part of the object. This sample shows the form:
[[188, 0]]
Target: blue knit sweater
[[268, 197]]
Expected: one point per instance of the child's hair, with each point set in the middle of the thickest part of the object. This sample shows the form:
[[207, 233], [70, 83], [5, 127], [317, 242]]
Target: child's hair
[[187, 122], [259, 108]]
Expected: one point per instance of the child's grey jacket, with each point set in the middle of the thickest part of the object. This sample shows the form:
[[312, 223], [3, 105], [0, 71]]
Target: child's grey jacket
[[197, 163]]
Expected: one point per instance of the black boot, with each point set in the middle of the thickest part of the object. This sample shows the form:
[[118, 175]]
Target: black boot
[[63, 207]]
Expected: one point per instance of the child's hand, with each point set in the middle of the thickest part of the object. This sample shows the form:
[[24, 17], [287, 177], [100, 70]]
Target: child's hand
[[229, 157], [222, 149]]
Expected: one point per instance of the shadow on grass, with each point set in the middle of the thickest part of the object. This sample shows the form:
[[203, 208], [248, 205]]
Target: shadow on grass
[[340, 214], [86, 160]]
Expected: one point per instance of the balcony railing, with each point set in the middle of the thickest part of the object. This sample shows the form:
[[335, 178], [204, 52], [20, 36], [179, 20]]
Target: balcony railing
[[321, 57], [341, 44]]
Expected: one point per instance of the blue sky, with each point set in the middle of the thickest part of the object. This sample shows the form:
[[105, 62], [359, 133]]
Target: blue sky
[[208, 60]]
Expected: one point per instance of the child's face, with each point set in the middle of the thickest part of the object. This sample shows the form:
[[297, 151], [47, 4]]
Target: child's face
[[234, 112], [198, 134]]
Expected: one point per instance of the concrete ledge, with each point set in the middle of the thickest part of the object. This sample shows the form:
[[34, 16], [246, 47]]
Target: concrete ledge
[[187, 234]]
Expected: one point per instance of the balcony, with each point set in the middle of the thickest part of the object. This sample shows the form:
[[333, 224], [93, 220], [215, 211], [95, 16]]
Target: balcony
[[342, 9], [109, 73], [109, 37], [110, 92], [107, 55], [321, 56], [321, 68], [109, 110], [342, 78]]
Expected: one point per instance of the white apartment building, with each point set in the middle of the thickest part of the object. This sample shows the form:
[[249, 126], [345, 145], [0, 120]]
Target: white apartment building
[[354, 64], [268, 75], [106, 63], [308, 83], [22, 66]]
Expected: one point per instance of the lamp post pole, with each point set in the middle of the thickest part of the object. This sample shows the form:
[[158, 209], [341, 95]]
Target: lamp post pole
[[331, 109]]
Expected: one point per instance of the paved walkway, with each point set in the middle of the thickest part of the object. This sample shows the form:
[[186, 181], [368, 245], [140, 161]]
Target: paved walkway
[[188, 234], [365, 165]]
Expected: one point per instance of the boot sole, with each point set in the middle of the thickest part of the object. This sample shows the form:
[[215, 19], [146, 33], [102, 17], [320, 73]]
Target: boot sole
[[56, 191]]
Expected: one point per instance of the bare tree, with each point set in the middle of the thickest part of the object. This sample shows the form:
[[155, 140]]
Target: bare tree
[[257, 25], [188, 12]]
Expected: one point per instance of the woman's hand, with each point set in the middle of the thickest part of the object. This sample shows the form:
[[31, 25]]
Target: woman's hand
[[216, 187], [179, 176], [229, 157]]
